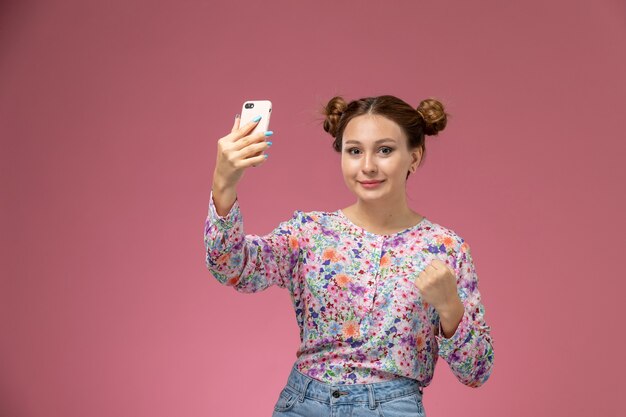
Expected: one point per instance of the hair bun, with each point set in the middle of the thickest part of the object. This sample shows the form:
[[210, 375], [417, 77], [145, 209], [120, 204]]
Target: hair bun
[[333, 112], [434, 116]]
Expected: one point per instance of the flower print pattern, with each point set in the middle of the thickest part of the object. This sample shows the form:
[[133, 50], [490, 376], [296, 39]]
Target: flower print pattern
[[360, 315]]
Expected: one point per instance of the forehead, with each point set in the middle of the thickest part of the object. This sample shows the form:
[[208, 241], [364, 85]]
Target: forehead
[[370, 128]]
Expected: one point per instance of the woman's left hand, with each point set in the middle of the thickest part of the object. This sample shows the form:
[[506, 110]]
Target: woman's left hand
[[437, 283]]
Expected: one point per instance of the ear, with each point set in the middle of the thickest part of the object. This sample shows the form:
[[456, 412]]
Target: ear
[[416, 156]]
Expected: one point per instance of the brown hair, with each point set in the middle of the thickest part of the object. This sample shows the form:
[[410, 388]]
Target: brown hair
[[428, 119]]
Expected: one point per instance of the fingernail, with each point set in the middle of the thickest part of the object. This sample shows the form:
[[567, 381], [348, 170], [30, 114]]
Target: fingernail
[[269, 133], [237, 116], [269, 143], [256, 119], [266, 155]]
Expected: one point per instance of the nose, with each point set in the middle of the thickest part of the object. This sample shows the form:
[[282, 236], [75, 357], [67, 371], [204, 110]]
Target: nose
[[369, 164]]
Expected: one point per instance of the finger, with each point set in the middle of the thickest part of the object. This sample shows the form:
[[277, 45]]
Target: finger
[[421, 281], [250, 140], [418, 282], [252, 150], [420, 277], [236, 123], [244, 130], [451, 269], [437, 264], [256, 160], [442, 266]]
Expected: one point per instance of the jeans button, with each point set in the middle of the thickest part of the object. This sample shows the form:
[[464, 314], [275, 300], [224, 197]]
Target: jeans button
[[336, 394]]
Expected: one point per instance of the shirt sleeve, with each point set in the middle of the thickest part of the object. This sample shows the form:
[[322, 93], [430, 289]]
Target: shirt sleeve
[[469, 351], [250, 263]]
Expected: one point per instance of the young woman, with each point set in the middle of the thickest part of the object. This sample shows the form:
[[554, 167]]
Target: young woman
[[379, 291]]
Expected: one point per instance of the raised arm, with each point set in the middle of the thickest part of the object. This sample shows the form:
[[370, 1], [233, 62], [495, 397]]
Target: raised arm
[[248, 263], [469, 351]]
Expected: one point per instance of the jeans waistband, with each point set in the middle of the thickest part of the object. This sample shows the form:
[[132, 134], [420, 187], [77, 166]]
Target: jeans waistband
[[351, 393]]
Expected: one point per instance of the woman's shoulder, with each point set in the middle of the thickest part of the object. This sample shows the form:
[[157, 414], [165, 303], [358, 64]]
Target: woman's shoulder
[[439, 229], [444, 236], [454, 245]]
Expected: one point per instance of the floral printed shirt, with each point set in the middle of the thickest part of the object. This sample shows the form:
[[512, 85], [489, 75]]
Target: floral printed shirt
[[360, 315]]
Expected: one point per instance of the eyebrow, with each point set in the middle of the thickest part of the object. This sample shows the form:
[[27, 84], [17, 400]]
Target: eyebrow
[[378, 141]]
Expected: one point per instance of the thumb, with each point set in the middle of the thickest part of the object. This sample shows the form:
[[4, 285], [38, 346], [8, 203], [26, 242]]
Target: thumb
[[418, 280]]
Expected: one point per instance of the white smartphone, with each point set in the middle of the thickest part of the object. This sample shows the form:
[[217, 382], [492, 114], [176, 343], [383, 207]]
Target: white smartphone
[[254, 108]]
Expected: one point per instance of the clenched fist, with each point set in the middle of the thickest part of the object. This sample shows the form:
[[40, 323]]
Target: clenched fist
[[437, 283]]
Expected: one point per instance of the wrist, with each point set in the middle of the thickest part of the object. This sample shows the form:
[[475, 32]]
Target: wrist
[[224, 197], [452, 309], [450, 317], [220, 186]]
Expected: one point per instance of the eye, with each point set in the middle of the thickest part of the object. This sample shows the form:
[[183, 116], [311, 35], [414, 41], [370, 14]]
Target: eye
[[349, 150], [387, 147]]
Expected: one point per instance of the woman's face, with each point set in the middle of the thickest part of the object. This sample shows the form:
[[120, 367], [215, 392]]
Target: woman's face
[[374, 148]]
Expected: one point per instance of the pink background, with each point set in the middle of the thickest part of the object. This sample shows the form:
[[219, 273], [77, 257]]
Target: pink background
[[109, 116]]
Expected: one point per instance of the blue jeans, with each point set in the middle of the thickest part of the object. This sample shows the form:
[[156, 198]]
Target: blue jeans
[[304, 396]]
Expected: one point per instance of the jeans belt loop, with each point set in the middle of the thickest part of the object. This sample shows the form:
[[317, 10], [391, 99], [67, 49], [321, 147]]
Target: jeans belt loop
[[372, 399], [306, 385]]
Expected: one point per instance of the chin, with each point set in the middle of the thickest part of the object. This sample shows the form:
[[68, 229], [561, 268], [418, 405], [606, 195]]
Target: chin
[[370, 194]]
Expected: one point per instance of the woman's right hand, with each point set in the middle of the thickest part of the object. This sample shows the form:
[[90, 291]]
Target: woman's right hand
[[235, 152]]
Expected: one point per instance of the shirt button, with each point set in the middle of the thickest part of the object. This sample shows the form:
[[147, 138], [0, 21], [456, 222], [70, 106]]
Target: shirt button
[[336, 394]]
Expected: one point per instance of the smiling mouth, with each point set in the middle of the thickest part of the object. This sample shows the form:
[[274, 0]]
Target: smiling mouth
[[370, 185]]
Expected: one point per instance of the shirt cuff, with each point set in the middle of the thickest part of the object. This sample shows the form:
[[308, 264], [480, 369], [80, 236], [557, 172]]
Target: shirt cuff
[[456, 341], [224, 222]]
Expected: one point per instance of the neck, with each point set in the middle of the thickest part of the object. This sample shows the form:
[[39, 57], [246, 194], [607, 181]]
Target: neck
[[383, 214]]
